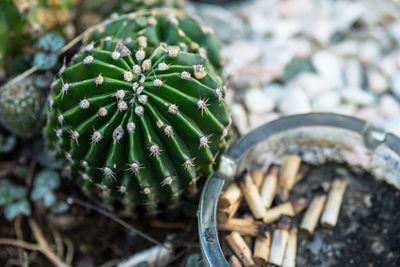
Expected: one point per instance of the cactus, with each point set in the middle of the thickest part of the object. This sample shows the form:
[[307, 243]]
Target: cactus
[[21, 108], [186, 32], [140, 114]]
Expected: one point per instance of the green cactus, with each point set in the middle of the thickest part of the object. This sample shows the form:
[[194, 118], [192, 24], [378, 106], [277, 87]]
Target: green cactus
[[21, 108], [139, 114], [186, 32]]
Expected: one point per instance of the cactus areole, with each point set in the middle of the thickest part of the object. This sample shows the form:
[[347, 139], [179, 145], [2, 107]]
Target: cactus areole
[[140, 114]]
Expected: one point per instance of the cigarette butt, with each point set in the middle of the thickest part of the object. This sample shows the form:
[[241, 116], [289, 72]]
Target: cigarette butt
[[224, 215], [251, 195], [240, 248], [258, 178], [289, 260], [234, 262], [275, 213], [287, 178], [279, 242], [268, 188], [262, 248], [230, 196], [313, 214], [299, 205], [244, 227], [332, 208], [288, 208]]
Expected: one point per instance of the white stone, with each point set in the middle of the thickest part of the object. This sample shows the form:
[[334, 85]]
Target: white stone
[[300, 47], [347, 13], [239, 117], [394, 30], [224, 22], [389, 106], [353, 73], [326, 102], [295, 101], [348, 109], [284, 29], [369, 52], [377, 82], [372, 115], [358, 96], [311, 83], [241, 53], [274, 92], [329, 66], [392, 125], [258, 102], [321, 29], [389, 65], [347, 48], [256, 120], [395, 85]]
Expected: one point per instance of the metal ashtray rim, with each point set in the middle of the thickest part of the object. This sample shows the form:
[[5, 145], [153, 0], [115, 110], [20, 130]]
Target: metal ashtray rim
[[207, 223]]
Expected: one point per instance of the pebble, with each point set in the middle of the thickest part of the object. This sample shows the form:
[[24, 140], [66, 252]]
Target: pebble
[[353, 73], [256, 120], [241, 53], [392, 125], [371, 115], [377, 82], [295, 101], [226, 25], [358, 96], [369, 52], [311, 83], [326, 102], [258, 102], [394, 30], [395, 85], [274, 92], [329, 66], [239, 118], [389, 106]]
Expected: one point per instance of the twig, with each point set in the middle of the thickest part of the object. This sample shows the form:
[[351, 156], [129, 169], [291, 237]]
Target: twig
[[44, 246], [70, 250], [19, 234], [19, 243], [79, 202]]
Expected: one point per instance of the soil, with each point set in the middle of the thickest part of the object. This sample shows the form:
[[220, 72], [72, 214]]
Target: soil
[[368, 229]]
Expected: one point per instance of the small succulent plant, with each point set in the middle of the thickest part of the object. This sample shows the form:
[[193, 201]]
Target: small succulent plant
[[22, 108], [140, 112], [44, 15]]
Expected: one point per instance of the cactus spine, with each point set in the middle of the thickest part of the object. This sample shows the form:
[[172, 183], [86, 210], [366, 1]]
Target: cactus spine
[[21, 108], [140, 112]]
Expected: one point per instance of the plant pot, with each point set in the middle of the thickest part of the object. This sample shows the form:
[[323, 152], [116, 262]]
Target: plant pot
[[319, 138]]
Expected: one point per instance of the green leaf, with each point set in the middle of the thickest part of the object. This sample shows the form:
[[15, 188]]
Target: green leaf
[[10, 193], [50, 42], [44, 184], [45, 61], [47, 178], [20, 207]]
